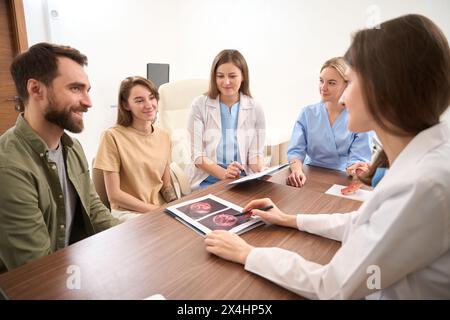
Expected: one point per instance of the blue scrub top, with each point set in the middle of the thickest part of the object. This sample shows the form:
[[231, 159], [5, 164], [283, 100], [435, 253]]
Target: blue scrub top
[[379, 174], [315, 142], [228, 148]]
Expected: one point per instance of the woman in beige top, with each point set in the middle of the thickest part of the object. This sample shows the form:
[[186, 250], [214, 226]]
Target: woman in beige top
[[135, 155]]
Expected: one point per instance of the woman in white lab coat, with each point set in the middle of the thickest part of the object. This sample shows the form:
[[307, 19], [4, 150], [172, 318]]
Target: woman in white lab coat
[[396, 246], [226, 125]]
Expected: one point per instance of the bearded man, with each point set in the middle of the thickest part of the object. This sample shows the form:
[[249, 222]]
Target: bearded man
[[47, 199]]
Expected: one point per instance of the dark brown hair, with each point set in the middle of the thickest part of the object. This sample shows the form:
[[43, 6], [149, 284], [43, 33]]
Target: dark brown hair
[[124, 116], [405, 70], [238, 60], [40, 62]]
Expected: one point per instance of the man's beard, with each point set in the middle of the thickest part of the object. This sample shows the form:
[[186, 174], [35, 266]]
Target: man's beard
[[63, 118]]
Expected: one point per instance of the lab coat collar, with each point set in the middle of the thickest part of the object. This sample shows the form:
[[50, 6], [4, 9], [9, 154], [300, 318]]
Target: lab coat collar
[[244, 104], [406, 162], [405, 165], [421, 144]]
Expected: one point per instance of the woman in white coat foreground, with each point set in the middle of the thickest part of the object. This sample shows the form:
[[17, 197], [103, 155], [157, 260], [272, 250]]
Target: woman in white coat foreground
[[396, 246]]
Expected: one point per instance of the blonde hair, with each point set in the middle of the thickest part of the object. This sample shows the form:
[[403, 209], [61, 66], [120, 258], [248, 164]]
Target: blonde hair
[[338, 63]]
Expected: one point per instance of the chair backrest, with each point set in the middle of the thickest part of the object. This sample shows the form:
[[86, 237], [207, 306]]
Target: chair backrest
[[175, 99], [99, 184]]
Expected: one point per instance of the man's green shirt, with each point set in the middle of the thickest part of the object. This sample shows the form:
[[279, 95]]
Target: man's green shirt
[[32, 212]]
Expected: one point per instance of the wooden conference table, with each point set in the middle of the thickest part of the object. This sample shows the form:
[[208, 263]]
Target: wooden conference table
[[157, 254]]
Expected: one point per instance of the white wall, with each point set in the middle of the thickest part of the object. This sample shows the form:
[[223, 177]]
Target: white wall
[[285, 42]]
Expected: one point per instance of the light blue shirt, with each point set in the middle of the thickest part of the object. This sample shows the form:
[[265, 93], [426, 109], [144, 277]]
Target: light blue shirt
[[228, 149], [379, 174], [314, 141]]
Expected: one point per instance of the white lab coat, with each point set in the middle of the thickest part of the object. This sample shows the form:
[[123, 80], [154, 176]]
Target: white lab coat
[[403, 229], [205, 129]]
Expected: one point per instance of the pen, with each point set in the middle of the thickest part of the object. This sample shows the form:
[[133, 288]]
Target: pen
[[266, 208]]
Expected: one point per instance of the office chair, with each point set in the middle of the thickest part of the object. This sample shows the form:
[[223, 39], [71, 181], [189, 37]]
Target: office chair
[[99, 184], [175, 99], [276, 145]]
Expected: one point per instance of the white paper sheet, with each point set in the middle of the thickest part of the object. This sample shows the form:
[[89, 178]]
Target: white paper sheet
[[156, 297], [259, 174], [360, 195]]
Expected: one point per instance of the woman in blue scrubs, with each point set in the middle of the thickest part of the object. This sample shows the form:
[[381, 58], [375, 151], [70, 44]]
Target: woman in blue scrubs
[[320, 136]]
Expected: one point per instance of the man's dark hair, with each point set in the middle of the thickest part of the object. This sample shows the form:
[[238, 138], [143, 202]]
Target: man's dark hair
[[39, 62]]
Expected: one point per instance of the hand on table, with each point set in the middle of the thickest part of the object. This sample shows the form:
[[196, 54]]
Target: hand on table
[[296, 179], [228, 246]]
